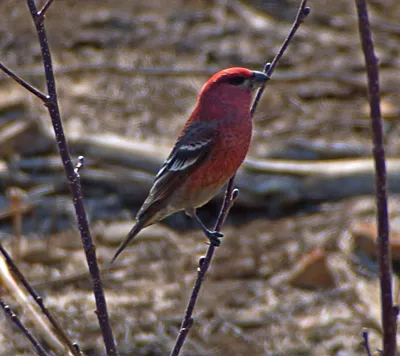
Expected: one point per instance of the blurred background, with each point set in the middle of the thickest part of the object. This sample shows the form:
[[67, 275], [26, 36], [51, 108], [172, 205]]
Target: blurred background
[[296, 273]]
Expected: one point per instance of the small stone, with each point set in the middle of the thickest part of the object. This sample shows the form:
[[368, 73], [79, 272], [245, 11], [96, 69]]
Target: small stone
[[312, 271]]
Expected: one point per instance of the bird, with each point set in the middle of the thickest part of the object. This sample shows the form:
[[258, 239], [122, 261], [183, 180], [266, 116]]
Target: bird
[[208, 151]]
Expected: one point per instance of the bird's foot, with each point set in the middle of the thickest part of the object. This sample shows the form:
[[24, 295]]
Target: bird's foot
[[214, 236]]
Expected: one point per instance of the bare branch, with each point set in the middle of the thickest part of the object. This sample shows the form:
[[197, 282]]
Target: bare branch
[[79, 165], [74, 183], [42, 12], [17, 321], [389, 313], [230, 196], [15, 270], [365, 342], [269, 68], [51, 103], [25, 84]]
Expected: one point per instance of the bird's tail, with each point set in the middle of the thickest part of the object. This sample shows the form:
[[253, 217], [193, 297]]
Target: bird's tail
[[134, 231]]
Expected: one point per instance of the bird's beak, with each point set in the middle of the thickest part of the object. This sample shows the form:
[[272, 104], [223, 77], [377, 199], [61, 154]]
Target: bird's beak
[[259, 78]]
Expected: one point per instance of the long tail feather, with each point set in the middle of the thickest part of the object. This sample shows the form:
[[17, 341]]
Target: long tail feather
[[134, 231]]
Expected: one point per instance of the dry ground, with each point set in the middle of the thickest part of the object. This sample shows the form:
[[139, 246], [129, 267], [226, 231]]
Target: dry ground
[[247, 306]]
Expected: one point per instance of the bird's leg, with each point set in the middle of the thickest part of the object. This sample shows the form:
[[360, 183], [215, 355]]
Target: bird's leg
[[213, 236]]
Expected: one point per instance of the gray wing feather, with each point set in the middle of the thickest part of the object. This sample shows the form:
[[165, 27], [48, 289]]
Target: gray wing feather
[[190, 151]]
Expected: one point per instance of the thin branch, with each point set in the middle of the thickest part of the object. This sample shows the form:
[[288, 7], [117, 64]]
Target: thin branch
[[389, 314], [51, 103], [79, 165], [230, 196], [78, 349], [74, 183], [269, 68], [25, 84], [204, 263], [17, 321], [15, 270], [365, 342], [42, 12]]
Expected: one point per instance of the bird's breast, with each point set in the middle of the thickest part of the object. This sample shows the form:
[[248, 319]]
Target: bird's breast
[[229, 150]]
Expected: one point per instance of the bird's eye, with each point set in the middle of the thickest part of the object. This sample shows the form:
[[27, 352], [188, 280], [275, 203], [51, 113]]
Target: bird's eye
[[236, 81]]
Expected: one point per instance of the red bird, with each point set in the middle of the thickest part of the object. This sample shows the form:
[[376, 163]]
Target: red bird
[[209, 150]]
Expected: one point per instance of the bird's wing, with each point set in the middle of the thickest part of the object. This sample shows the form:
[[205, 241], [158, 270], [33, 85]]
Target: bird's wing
[[189, 153]]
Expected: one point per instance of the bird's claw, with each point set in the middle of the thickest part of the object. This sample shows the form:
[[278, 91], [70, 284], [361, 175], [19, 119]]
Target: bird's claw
[[214, 237]]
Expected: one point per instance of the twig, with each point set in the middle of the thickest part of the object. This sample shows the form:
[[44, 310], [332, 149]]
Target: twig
[[15, 270], [389, 314], [10, 284], [269, 68], [204, 263], [230, 196], [42, 12], [78, 349], [51, 103], [74, 183], [17, 321], [25, 84], [365, 342], [79, 165]]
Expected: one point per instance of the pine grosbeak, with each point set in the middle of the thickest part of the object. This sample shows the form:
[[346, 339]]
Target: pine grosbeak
[[209, 150]]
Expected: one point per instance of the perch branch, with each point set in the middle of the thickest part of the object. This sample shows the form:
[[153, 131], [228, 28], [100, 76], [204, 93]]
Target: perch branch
[[389, 313], [230, 196]]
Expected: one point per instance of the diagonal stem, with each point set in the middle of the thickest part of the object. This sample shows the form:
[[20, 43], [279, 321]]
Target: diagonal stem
[[269, 68], [41, 14], [15, 270], [17, 321], [25, 84], [204, 264], [230, 196]]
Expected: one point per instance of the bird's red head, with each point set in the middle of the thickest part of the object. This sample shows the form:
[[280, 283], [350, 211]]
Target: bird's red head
[[229, 75], [230, 88], [241, 78]]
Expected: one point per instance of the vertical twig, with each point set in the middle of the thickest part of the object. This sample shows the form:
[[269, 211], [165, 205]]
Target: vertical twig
[[389, 313], [73, 180], [230, 196], [51, 102], [365, 342]]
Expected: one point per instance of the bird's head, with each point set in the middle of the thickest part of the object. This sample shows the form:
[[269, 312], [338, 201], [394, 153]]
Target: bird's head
[[233, 86]]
